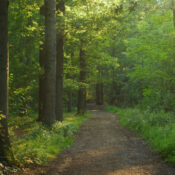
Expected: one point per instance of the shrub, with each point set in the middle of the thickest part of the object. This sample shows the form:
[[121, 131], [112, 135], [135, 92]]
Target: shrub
[[39, 143]]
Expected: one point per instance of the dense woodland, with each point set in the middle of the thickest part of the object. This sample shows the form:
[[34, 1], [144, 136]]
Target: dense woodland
[[56, 56]]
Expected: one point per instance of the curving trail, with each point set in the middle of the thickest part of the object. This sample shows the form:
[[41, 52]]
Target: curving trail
[[104, 147]]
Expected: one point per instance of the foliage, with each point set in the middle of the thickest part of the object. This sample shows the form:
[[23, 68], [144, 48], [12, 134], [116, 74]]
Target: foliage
[[158, 128], [34, 143], [24, 39], [8, 169], [151, 50], [143, 43]]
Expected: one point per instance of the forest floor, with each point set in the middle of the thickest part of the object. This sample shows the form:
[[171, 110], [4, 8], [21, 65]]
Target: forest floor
[[104, 147]]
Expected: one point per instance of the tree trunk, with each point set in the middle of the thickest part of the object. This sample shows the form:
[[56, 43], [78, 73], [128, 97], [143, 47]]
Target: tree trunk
[[99, 94], [29, 41], [60, 62], [42, 63], [112, 90], [69, 101], [59, 77], [173, 9], [4, 68], [41, 81], [49, 90], [81, 105], [70, 90]]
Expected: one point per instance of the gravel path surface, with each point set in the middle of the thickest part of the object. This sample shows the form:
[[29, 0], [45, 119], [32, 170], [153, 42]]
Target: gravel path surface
[[104, 147]]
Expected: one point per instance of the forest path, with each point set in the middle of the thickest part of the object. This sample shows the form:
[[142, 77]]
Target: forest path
[[104, 147]]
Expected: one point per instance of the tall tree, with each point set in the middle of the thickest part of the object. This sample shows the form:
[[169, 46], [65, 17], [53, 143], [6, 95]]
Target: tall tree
[[81, 104], [4, 62], [173, 9], [60, 60], [48, 115], [99, 93], [42, 62]]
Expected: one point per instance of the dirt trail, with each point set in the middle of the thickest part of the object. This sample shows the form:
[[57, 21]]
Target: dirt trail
[[104, 147]]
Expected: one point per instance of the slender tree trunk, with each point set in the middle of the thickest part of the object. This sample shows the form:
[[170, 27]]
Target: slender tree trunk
[[59, 77], [69, 101], [112, 91], [173, 9], [49, 90], [70, 91], [41, 82], [99, 94], [82, 89], [60, 62], [4, 68], [29, 41], [42, 62]]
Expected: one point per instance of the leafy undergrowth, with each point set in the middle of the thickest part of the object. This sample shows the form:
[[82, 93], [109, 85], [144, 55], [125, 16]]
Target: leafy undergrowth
[[34, 144], [158, 128]]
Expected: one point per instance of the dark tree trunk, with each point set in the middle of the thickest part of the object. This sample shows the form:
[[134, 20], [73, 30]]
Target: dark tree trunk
[[4, 68], [60, 62], [99, 94], [81, 104], [59, 77], [69, 108], [42, 62], [41, 81], [29, 42], [49, 90], [70, 90], [173, 9], [112, 90]]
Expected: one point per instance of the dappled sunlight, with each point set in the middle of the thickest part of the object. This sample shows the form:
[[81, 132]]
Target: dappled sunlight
[[99, 152], [107, 148], [133, 170]]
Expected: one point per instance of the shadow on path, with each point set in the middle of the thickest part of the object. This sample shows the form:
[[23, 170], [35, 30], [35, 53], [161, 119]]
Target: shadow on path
[[104, 147]]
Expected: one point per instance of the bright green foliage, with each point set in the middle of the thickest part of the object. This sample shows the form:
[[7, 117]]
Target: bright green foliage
[[35, 144], [24, 39], [152, 51], [158, 128], [143, 44]]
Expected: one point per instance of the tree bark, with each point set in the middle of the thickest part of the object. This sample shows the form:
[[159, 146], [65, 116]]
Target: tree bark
[[4, 69], [70, 90], [99, 94], [29, 41], [173, 9], [81, 105], [60, 62], [69, 109], [41, 81], [49, 90], [42, 63]]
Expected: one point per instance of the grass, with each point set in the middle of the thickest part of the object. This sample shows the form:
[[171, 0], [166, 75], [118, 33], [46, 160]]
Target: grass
[[158, 128], [34, 144]]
